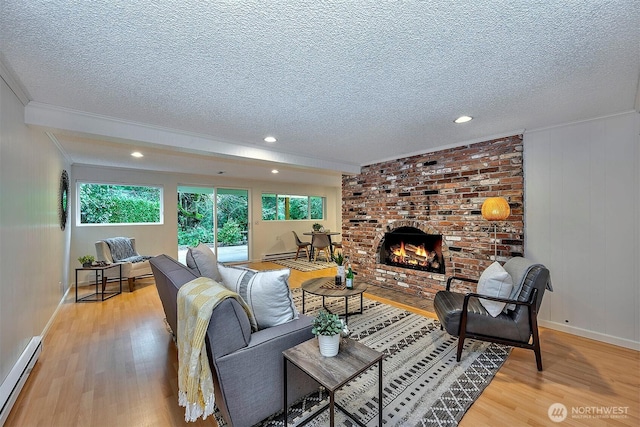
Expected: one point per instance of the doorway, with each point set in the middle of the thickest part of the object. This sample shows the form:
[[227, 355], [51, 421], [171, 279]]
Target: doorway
[[217, 217]]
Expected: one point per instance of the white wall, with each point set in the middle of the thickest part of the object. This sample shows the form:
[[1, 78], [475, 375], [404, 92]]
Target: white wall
[[33, 249], [265, 237], [582, 220]]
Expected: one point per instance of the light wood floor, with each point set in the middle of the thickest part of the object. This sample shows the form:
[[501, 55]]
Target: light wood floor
[[113, 363]]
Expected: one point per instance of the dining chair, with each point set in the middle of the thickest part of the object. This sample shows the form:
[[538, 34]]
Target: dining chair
[[301, 245], [320, 243], [337, 247]]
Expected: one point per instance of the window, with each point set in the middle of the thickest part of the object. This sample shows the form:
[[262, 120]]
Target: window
[[290, 207], [119, 204]]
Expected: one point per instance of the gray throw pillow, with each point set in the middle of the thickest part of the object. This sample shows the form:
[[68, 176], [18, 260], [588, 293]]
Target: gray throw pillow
[[202, 259]]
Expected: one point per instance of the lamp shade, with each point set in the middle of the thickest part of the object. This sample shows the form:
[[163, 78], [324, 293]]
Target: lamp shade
[[495, 209]]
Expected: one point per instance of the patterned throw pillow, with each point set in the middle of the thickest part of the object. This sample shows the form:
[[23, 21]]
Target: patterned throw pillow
[[494, 282], [202, 259], [266, 293]]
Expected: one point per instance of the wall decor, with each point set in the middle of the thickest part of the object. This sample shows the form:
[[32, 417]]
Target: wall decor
[[63, 206]]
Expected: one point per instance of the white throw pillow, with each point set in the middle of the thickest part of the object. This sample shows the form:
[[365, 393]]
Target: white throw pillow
[[494, 282], [266, 293], [202, 259]]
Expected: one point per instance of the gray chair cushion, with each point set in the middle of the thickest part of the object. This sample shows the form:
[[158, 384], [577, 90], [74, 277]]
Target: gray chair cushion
[[448, 307], [518, 268], [538, 277]]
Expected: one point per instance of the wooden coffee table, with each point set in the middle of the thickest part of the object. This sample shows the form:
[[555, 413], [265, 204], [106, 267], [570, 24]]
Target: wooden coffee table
[[332, 373], [315, 286]]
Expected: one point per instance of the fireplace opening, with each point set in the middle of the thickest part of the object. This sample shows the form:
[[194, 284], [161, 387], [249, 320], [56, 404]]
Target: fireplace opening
[[410, 247]]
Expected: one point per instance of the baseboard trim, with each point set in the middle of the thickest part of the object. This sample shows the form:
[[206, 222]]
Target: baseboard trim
[[13, 383], [609, 339], [55, 313], [281, 255]]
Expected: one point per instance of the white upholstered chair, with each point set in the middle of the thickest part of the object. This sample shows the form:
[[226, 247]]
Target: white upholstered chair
[[133, 264]]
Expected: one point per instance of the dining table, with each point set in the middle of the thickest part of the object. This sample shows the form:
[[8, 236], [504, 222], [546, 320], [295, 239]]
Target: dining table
[[327, 233]]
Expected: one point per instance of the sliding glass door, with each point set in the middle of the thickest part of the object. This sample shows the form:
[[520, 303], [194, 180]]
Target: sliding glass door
[[217, 217], [232, 224]]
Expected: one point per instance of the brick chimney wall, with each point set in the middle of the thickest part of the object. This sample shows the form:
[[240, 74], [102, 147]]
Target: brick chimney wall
[[440, 193]]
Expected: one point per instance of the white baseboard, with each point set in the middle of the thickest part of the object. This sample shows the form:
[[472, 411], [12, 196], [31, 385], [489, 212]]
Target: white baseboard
[[55, 312], [609, 339], [281, 255], [11, 386], [13, 383]]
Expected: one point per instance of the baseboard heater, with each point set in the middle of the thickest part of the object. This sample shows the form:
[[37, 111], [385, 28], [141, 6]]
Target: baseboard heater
[[281, 255], [18, 375]]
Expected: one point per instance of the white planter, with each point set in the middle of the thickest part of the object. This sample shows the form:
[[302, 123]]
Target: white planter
[[342, 273], [329, 344]]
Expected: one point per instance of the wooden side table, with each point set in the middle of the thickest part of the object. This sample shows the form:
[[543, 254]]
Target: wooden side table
[[332, 373], [100, 278], [315, 286]]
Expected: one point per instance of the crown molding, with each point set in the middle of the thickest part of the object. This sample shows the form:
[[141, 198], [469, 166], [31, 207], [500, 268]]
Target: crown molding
[[12, 82], [562, 125], [59, 146], [449, 146], [115, 129]]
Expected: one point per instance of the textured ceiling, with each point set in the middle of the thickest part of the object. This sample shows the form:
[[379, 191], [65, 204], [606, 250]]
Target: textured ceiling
[[340, 84]]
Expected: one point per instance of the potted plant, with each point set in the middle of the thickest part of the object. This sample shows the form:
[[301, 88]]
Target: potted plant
[[327, 327], [339, 260], [86, 260], [316, 227]]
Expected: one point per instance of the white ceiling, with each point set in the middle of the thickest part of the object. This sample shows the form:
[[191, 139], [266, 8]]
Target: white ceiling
[[339, 84]]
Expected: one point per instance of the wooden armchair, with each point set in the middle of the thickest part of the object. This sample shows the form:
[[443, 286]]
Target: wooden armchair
[[463, 315]]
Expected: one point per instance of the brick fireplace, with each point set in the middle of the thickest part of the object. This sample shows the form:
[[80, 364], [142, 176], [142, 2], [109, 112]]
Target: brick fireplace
[[439, 194]]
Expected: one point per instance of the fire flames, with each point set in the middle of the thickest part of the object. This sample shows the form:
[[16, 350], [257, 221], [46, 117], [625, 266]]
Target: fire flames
[[414, 255]]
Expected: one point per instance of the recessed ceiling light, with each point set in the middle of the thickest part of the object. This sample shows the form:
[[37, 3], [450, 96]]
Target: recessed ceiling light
[[463, 119], [137, 154], [275, 171], [270, 139]]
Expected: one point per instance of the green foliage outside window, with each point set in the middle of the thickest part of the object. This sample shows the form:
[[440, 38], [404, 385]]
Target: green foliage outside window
[[268, 207], [195, 219], [230, 233], [232, 207], [195, 216], [119, 204], [317, 207], [289, 207]]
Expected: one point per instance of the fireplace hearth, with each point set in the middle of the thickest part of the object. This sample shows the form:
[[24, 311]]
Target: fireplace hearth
[[409, 247]]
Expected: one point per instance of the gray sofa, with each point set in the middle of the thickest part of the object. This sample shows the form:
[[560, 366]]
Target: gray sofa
[[247, 366]]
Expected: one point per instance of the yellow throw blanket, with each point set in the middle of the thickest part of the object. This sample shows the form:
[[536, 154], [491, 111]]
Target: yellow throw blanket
[[196, 301]]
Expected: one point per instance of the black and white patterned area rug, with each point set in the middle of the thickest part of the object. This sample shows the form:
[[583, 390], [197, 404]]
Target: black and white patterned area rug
[[423, 384], [301, 264]]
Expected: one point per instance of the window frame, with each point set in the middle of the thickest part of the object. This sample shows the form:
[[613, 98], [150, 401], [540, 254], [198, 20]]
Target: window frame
[[289, 195], [78, 213]]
